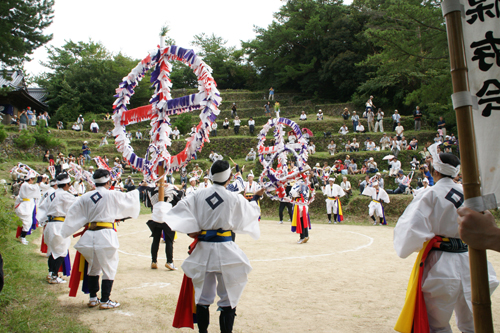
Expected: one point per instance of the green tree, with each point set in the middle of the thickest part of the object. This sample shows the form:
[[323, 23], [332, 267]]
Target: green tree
[[83, 79], [312, 47], [21, 29], [230, 69], [411, 64]]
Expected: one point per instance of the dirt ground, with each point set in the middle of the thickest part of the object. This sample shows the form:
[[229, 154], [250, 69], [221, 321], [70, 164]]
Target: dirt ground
[[345, 279]]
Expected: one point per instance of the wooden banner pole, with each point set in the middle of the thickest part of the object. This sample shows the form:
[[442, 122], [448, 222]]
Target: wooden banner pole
[[481, 302], [161, 182]]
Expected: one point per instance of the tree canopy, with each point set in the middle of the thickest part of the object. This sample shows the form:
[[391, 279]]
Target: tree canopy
[[21, 29]]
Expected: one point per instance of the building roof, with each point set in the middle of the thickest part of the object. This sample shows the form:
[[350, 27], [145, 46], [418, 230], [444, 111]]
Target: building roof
[[20, 92], [13, 79]]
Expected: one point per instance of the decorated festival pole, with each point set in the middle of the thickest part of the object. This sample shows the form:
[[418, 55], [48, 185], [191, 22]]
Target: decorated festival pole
[[481, 303], [161, 182]]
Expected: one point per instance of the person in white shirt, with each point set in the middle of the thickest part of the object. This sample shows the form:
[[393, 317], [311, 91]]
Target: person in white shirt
[[176, 134], [360, 128], [370, 146], [379, 123], [214, 156], [98, 210], [94, 127], [76, 127], [103, 142], [343, 130], [332, 192], [404, 143], [53, 212], [319, 115], [138, 135], [251, 125], [225, 124], [311, 148], [396, 118], [193, 131], [237, 123], [385, 142], [430, 221], [25, 205], [214, 126], [80, 187], [251, 187], [395, 146], [251, 155], [355, 121], [303, 116], [354, 145], [206, 183], [346, 186], [370, 118], [192, 188], [369, 104], [305, 134], [395, 167], [80, 120], [378, 197], [332, 148], [291, 137], [425, 186]]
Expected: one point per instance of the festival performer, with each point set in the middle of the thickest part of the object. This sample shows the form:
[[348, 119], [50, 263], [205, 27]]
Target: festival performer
[[29, 194], [97, 211], [379, 196], [53, 210], [287, 205], [44, 185], [206, 183], [217, 264], [333, 192], [301, 222], [251, 187], [192, 188], [52, 189], [440, 281], [157, 223]]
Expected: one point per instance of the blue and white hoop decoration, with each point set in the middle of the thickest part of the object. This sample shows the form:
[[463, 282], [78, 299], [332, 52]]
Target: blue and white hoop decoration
[[274, 181], [161, 107]]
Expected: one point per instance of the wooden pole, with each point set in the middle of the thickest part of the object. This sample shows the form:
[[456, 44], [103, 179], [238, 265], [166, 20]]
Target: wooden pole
[[481, 303], [161, 182]]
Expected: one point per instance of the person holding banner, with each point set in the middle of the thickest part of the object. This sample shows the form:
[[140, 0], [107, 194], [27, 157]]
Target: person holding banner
[[478, 230], [301, 222], [53, 210], [333, 192], [443, 284], [97, 211], [216, 265]]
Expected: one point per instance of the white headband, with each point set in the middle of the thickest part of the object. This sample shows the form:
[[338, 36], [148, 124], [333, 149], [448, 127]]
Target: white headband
[[221, 177], [192, 178], [332, 179], [66, 180], [53, 182], [439, 166], [102, 180], [375, 184]]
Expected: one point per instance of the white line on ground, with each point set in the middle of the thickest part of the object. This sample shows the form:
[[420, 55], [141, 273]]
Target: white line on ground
[[147, 284], [127, 314]]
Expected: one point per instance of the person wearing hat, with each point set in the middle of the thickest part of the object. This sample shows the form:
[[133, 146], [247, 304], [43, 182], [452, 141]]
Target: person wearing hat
[[430, 221], [25, 205], [319, 115], [53, 187], [395, 167], [345, 114], [214, 156], [52, 211], [44, 185], [251, 155], [91, 170], [287, 205], [216, 264], [80, 120], [206, 183], [301, 222], [378, 196], [98, 210], [197, 171], [158, 224], [86, 150], [251, 187], [355, 121], [333, 193], [425, 186], [371, 166], [192, 186]]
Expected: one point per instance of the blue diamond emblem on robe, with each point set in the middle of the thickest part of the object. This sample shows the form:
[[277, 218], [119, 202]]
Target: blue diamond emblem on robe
[[214, 200], [52, 196], [96, 197]]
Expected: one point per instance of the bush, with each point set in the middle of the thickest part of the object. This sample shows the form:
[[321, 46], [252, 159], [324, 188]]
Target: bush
[[8, 219], [3, 134], [44, 139], [183, 123], [25, 140]]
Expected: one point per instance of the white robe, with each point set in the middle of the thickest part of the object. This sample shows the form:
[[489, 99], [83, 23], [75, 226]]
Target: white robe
[[251, 189], [212, 209], [446, 277], [332, 192], [191, 190], [100, 205], [44, 188], [46, 195], [204, 185], [376, 207], [56, 204], [25, 203]]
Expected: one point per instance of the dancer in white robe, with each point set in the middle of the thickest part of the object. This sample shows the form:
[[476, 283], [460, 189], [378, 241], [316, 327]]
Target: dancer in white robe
[[53, 211], [52, 189], [379, 196], [192, 188], [446, 277], [333, 192], [25, 204], [98, 210], [251, 187], [212, 214]]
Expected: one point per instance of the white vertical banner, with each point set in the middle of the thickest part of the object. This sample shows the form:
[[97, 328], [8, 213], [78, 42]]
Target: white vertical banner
[[481, 26]]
